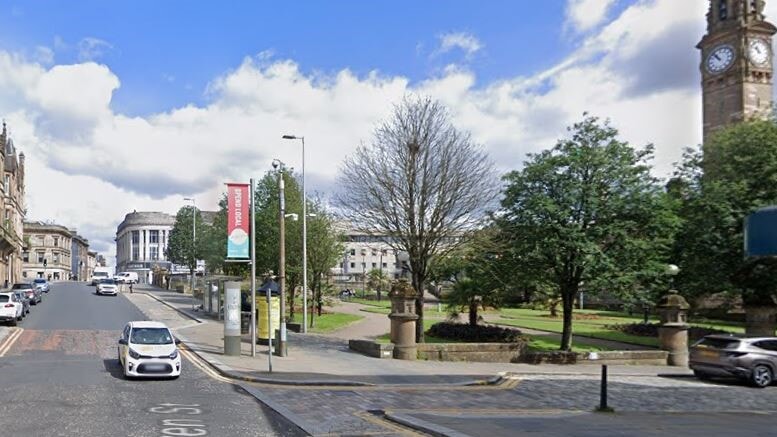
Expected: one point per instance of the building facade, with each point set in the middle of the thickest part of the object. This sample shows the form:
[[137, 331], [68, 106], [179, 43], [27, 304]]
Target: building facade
[[736, 64], [79, 262], [91, 263], [12, 191], [48, 254], [141, 243], [364, 253]]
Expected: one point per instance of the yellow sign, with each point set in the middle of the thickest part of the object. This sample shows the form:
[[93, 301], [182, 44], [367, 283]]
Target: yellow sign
[[261, 320]]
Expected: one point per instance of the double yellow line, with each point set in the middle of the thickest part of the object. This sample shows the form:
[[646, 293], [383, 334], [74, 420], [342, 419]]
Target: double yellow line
[[10, 340]]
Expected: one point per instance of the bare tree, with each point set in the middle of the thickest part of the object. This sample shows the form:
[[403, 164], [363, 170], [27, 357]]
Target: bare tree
[[421, 183]]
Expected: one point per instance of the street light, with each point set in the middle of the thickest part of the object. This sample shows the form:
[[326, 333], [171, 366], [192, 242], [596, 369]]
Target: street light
[[304, 237], [194, 239]]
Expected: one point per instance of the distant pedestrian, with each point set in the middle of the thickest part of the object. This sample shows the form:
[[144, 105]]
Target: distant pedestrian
[[130, 287]]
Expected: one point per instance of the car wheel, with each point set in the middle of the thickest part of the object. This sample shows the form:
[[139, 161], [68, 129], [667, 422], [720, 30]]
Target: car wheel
[[14, 322], [761, 376]]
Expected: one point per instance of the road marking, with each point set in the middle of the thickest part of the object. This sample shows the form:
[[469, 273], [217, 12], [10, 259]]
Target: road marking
[[10, 340], [196, 361], [392, 428]]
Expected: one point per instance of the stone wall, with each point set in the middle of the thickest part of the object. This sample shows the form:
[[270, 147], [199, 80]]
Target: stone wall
[[371, 348], [477, 352], [647, 357]]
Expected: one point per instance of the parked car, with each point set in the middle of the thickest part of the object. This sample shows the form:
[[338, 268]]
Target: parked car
[[22, 297], [41, 283], [126, 278], [107, 286], [11, 310], [752, 359], [148, 349], [33, 293]]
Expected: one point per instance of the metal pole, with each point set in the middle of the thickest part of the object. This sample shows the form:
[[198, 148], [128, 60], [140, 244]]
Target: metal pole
[[253, 271], [282, 266], [304, 246], [269, 330]]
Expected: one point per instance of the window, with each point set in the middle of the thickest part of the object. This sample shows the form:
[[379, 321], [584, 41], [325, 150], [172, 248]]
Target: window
[[41, 240], [374, 265], [7, 184], [384, 265], [769, 345], [353, 265], [135, 253], [374, 252], [55, 257], [40, 257], [153, 237], [723, 10], [56, 241], [26, 257], [135, 237], [153, 252], [353, 252]]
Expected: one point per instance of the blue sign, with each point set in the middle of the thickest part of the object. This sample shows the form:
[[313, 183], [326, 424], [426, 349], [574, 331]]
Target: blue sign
[[761, 233]]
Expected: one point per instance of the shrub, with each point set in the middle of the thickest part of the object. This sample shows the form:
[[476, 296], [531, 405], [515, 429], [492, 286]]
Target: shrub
[[651, 330], [474, 334]]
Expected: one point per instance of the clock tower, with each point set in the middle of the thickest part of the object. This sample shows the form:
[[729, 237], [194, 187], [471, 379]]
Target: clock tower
[[736, 64]]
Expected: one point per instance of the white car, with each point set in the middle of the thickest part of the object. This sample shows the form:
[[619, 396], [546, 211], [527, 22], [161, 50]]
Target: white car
[[11, 309], [107, 286], [148, 349]]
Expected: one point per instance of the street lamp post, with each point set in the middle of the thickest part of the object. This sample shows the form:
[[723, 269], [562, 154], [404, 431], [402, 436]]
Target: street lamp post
[[281, 350], [194, 239], [304, 237]]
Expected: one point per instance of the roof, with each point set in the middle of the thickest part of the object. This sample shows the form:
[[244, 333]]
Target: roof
[[147, 324], [146, 218]]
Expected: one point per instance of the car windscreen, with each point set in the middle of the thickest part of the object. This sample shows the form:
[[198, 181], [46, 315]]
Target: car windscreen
[[151, 336], [5, 298], [719, 343], [21, 286], [100, 274], [107, 281], [40, 281]]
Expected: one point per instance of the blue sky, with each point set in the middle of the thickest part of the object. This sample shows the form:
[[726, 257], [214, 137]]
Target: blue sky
[[147, 102], [166, 52]]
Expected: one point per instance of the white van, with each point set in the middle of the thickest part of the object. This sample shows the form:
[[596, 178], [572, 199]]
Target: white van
[[97, 275], [127, 278]]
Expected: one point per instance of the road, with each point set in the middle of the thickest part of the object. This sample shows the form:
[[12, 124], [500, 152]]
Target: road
[[60, 377]]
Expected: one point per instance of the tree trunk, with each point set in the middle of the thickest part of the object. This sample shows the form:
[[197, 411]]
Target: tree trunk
[[319, 301], [473, 312], [568, 297], [419, 308]]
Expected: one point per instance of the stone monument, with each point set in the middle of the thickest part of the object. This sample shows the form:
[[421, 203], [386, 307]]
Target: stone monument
[[673, 332], [403, 320]]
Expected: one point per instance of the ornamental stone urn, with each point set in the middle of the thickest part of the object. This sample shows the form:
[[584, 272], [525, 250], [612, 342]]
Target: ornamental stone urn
[[403, 319], [673, 332]]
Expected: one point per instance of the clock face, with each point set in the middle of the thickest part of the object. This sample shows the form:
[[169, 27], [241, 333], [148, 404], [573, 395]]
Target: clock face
[[720, 59], [758, 52]]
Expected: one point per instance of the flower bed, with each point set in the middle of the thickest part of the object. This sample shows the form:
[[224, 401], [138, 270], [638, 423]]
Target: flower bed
[[474, 334]]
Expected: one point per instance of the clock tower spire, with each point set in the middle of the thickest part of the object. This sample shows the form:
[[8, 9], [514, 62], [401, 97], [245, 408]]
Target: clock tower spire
[[736, 64]]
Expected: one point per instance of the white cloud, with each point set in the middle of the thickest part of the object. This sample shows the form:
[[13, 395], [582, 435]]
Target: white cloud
[[463, 41], [583, 15], [88, 165], [44, 55], [90, 49]]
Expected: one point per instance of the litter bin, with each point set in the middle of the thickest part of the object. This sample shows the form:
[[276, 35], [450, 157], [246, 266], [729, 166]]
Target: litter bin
[[261, 309]]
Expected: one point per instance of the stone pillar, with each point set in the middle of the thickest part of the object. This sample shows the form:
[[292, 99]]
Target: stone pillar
[[403, 320], [760, 321], [673, 332]]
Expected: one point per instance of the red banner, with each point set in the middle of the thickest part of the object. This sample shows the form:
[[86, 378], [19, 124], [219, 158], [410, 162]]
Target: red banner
[[238, 220]]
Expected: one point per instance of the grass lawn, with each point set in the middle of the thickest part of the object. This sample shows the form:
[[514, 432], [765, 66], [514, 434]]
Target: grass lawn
[[329, 322], [541, 344], [596, 326]]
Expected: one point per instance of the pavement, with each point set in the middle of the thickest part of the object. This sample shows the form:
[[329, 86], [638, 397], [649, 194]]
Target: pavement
[[325, 389]]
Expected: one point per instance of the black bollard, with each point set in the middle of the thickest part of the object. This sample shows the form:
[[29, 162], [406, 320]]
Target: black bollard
[[603, 393]]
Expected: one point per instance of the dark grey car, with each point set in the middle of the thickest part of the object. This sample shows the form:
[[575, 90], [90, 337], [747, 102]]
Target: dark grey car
[[752, 359], [31, 291]]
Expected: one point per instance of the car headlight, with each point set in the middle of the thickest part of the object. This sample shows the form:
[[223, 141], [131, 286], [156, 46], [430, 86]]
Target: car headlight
[[134, 354], [174, 355]]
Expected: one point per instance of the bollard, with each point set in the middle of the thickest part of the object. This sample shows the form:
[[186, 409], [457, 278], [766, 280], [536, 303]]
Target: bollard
[[603, 408]]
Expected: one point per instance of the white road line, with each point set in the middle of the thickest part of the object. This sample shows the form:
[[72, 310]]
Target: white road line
[[10, 340]]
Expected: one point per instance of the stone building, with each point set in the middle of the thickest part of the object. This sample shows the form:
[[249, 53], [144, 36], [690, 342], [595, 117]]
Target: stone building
[[736, 64], [12, 215], [91, 263], [79, 262], [141, 243], [48, 254]]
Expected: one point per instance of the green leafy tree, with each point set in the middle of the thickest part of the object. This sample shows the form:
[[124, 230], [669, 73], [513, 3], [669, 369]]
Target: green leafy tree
[[378, 280], [325, 249], [267, 206], [181, 244], [422, 183], [734, 176], [476, 271], [588, 210]]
